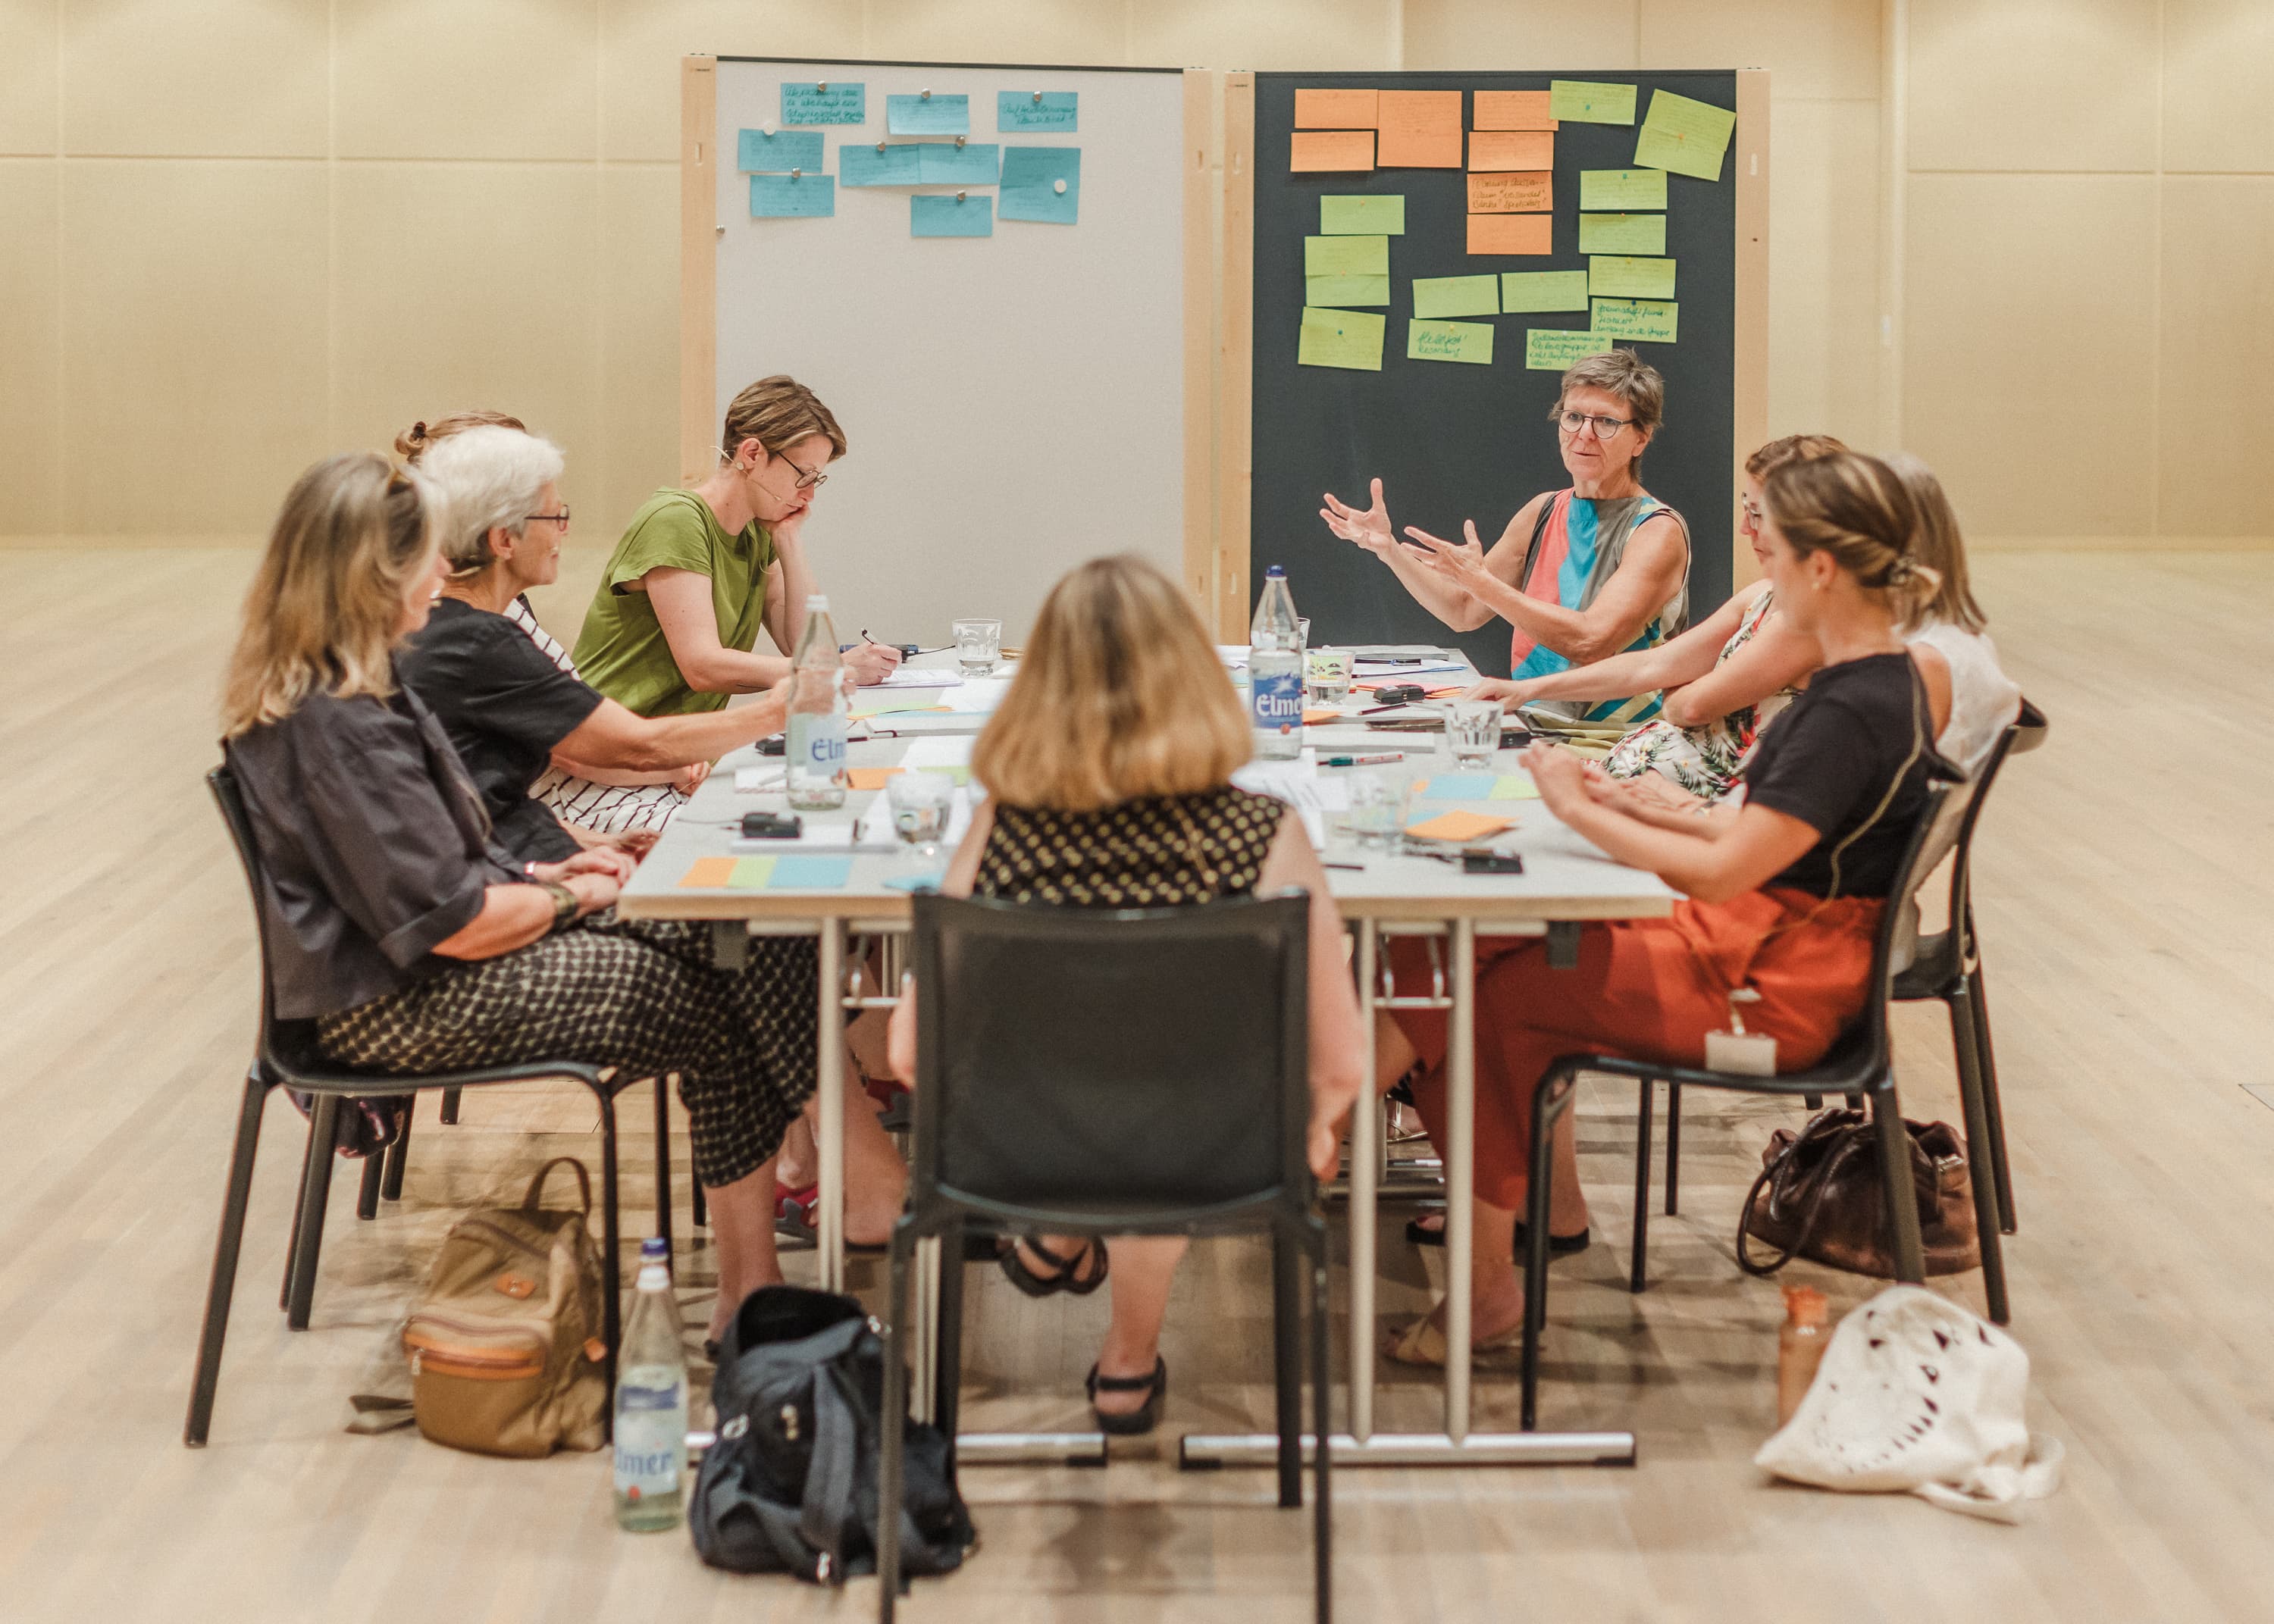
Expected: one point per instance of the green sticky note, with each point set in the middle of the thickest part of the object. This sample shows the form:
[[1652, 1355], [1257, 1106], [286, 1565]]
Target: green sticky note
[[1552, 349], [1362, 216], [1513, 787], [1455, 295], [1539, 291], [1615, 276], [1622, 189], [751, 873], [1685, 136], [1449, 341], [1346, 256], [1344, 291], [1586, 102], [1645, 319], [1344, 338], [1621, 234]]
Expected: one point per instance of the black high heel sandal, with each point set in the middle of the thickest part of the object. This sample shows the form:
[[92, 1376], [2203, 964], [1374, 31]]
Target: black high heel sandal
[[1065, 1276], [1143, 1419]]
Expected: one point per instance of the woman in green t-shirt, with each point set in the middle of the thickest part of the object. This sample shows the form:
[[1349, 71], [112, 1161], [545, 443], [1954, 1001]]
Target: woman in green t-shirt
[[672, 627]]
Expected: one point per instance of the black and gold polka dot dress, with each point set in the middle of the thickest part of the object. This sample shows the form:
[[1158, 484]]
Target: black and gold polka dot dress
[[1168, 851]]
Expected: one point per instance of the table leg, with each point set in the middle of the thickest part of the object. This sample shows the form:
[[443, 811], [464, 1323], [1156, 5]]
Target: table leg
[[829, 1077], [1368, 1144], [1460, 1175], [923, 1328]]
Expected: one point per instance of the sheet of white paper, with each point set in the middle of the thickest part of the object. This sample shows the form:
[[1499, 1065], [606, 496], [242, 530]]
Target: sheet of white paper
[[752, 780], [982, 695], [945, 751], [1298, 784], [920, 676], [818, 834], [1394, 668]]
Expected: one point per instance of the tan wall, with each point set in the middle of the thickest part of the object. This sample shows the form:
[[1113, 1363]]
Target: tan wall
[[239, 234]]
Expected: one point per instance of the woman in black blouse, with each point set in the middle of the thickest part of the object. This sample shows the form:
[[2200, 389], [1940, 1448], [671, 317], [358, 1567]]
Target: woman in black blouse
[[412, 937]]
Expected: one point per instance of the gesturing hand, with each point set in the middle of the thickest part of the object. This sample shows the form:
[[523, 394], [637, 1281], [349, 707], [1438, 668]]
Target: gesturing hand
[[1369, 530], [1458, 562], [1509, 693], [1559, 776], [688, 780]]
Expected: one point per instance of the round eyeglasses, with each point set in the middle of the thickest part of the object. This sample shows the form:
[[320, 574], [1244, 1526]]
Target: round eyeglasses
[[1606, 428]]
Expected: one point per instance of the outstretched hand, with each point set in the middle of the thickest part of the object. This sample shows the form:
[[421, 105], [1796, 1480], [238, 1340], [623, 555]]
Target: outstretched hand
[[1559, 776], [1370, 528], [1459, 562], [1508, 692]]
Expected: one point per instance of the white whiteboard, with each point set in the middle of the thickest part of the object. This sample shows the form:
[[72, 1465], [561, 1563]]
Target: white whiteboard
[[1013, 405]]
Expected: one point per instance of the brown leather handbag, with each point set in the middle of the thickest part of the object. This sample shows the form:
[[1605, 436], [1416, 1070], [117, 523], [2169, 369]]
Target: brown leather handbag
[[1819, 1197]]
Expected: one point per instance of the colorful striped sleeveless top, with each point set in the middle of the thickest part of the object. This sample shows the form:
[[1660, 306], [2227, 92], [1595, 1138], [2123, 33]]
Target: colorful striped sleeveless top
[[1579, 548]]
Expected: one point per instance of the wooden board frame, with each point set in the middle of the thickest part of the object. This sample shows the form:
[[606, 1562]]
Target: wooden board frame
[[698, 267]]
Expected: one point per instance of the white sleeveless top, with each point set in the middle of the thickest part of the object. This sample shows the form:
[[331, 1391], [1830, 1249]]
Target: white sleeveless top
[[1984, 700]]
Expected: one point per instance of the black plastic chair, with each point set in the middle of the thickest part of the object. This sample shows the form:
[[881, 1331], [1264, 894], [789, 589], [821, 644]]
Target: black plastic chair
[[1858, 1064], [287, 1057], [1090, 1073]]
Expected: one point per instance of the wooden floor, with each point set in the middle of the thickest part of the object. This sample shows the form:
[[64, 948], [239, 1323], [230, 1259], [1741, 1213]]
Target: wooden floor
[[2125, 902]]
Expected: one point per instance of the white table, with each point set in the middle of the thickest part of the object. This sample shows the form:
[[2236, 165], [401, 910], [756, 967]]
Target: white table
[[1565, 883]]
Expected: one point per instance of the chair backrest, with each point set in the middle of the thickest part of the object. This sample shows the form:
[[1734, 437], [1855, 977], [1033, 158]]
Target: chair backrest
[[292, 1043], [2025, 731], [1083, 1060], [1940, 816]]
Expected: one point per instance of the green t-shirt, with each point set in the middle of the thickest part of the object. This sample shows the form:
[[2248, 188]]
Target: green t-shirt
[[621, 650]]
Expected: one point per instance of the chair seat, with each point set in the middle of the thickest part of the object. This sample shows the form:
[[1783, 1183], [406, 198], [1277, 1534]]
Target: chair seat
[[1846, 1068], [1936, 969]]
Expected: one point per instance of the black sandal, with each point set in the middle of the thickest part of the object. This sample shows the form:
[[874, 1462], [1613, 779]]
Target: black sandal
[[1065, 1275], [1142, 1419], [1558, 1245]]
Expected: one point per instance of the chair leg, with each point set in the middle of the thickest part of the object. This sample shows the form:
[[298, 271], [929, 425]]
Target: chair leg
[[699, 1209], [299, 1199], [450, 1104], [1644, 1092], [1286, 1365], [1323, 1532], [315, 1192], [226, 1247], [1979, 1160], [1673, 1147], [1549, 1101], [894, 1445], [390, 1181], [373, 1174], [1813, 1101], [947, 1360], [1895, 1174], [663, 1162], [610, 1242], [1986, 1059]]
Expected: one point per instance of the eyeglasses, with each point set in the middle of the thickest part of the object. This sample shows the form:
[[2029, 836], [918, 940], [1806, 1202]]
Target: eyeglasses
[[561, 518], [1606, 428], [808, 479], [1752, 513]]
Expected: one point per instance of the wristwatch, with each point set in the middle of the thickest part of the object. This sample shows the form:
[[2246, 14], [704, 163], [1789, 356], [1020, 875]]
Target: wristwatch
[[564, 901]]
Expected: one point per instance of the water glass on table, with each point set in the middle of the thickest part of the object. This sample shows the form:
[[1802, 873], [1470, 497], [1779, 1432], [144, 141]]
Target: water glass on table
[[1329, 673], [1472, 730], [921, 802], [978, 644], [1381, 799]]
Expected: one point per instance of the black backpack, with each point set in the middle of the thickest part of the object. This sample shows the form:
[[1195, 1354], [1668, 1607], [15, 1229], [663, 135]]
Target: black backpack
[[790, 1487]]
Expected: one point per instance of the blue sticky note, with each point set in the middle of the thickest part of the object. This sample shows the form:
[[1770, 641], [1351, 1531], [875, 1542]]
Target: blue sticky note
[[1041, 182], [914, 881], [781, 152], [931, 215], [831, 103], [809, 873], [1459, 787], [936, 115], [940, 164], [864, 166], [1036, 109], [790, 197]]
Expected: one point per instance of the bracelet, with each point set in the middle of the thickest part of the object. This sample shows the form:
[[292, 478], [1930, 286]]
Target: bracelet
[[565, 905]]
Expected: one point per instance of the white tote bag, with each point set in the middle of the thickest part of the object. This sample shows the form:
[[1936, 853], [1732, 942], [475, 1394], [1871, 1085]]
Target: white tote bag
[[1916, 1394]]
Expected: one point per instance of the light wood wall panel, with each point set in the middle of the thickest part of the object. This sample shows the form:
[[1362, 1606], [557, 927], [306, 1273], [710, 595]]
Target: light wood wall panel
[[30, 44], [2218, 81], [1829, 49], [1085, 31], [2216, 378], [2010, 85], [193, 306], [30, 347], [468, 78], [513, 327], [2030, 348], [639, 425], [1271, 35], [236, 78], [1522, 33], [641, 45], [1824, 352]]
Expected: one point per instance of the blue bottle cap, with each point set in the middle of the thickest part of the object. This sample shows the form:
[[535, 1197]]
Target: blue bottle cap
[[1275, 572], [655, 1250]]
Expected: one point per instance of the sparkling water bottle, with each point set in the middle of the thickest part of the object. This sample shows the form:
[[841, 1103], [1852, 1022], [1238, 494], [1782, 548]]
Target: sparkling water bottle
[[1275, 671], [815, 752], [651, 1402]]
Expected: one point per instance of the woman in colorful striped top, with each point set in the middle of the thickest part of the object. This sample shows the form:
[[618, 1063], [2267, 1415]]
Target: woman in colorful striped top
[[1581, 575]]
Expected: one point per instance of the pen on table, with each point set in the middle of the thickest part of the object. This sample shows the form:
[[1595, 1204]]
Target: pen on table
[[1359, 761], [1353, 867]]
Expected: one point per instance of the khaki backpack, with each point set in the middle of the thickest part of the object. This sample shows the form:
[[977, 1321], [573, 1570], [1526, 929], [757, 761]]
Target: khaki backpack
[[506, 1350]]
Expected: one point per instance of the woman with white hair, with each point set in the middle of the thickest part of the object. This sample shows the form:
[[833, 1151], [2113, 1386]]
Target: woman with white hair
[[510, 711]]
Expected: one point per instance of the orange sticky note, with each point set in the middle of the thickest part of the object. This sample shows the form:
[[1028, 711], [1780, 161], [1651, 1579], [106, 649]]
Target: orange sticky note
[[1525, 193], [712, 872], [1459, 826], [1331, 150], [1511, 109], [868, 778], [1337, 110], [1421, 130], [1510, 234], [1511, 149], [1313, 718]]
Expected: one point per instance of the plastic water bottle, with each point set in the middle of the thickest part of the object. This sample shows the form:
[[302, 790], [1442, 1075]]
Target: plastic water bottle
[[651, 1402], [1275, 671], [815, 751]]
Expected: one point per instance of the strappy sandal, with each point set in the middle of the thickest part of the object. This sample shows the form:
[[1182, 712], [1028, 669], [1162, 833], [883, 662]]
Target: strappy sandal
[[1147, 1416], [1065, 1275], [1418, 1233], [1423, 1343], [797, 1219]]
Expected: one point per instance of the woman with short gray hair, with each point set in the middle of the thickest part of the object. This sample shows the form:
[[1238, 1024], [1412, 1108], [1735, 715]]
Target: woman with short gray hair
[[511, 712]]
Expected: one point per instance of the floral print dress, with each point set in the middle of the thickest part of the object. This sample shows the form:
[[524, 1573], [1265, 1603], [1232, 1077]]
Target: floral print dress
[[1703, 760]]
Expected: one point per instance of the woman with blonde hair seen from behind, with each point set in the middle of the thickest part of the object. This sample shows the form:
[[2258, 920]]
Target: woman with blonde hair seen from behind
[[1108, 772], [417, 942], [1950, 638]]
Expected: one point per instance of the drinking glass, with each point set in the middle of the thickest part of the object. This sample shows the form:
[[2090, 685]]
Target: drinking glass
[[1472, 730], [1380, 798], [1329, 671], [1302, 631], [921, 802], [978, 644]]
